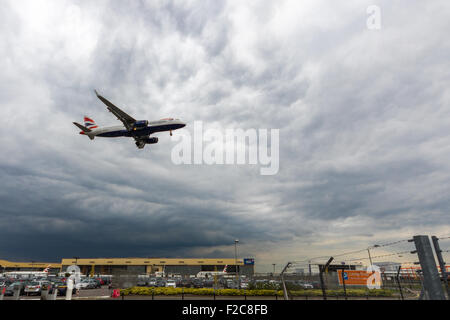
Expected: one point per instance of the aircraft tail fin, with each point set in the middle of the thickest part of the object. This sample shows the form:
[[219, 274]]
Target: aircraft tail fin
[[85, 130], [89, 123]]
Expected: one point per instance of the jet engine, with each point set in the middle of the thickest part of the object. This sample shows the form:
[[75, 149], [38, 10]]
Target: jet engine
[[151, 140]]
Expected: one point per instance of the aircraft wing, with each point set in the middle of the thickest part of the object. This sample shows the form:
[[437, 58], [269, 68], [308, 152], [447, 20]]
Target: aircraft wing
[[126, 119]]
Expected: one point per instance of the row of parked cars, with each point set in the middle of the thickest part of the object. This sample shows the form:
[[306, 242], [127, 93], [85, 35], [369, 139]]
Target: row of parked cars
[[36, 285], [192, 283], [176, 282]]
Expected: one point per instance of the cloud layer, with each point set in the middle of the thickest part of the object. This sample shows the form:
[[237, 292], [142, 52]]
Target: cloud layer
[[363, 115]]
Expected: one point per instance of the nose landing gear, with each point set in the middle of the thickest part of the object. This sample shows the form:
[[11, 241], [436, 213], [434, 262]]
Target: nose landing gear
[[170, 132]]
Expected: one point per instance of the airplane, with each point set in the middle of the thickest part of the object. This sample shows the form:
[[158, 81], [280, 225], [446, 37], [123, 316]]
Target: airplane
[[140, 130], [203, 274], [43, 273]]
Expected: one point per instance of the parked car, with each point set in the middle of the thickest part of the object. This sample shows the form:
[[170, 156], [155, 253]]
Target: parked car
[[186, 283], [62, 288], [307, 285], [171, 283], [160, 283], [231, 284], [197, 283], [35, 287], [88, 284], [9, 291], [151, 282]]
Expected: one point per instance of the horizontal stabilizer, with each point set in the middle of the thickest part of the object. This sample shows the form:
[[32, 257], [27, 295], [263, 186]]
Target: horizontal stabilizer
[[85, 129]]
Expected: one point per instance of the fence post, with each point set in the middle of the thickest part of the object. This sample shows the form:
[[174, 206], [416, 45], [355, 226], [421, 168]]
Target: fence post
[[54, 294], [398, 282], [2, 292], [444, 274], [153, 294], [16, 292], [44, 292], [431, 279], [285, 293], [343, 283], [69, 289], [322, 282]]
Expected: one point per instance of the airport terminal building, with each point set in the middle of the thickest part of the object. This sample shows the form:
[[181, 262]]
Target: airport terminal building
[[180, 266]]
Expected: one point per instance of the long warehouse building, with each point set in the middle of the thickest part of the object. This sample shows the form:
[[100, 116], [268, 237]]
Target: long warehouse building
[[180, 266]]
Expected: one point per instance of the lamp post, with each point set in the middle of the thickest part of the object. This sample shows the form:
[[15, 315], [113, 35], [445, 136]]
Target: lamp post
[[235, 260]]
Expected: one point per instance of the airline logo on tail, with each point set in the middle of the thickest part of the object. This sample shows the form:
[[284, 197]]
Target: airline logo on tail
[[89, 123], [225, 269], [46, 269]]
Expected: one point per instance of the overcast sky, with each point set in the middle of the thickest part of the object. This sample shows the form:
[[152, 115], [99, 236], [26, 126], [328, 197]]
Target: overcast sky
[[364, 119]]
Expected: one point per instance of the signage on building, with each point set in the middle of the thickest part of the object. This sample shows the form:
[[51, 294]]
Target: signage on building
[[249, 261]]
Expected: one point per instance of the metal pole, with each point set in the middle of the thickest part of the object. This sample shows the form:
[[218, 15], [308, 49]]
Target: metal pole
[[444, 274], [322, 284], [285, 294], [398, 282], [322, 269], [235, 258], [370, 258], [431, 279], [343, 283]]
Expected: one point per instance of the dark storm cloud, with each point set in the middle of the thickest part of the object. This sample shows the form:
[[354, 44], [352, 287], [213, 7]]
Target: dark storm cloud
[[363, 116]]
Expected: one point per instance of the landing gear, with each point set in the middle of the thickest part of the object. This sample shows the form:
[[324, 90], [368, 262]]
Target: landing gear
[[170, 132], [140, 144]]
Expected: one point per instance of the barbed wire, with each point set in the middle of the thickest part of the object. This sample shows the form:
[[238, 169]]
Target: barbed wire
[[380, 256], [376, 246], [388, 244]]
